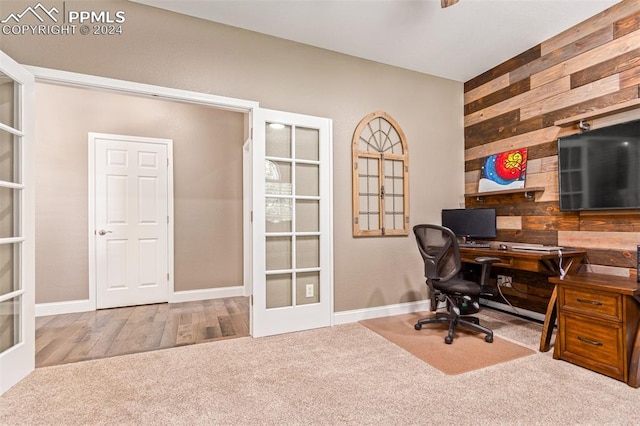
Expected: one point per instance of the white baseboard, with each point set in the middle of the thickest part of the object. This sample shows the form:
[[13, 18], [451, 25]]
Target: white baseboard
[[59, 308], [356, 315], [209, 293], [74, 306]]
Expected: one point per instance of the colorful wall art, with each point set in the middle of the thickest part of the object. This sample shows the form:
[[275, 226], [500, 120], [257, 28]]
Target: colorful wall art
[[506, 170]]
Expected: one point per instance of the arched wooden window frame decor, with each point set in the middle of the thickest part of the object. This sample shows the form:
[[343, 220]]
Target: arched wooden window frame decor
[[380, 177]]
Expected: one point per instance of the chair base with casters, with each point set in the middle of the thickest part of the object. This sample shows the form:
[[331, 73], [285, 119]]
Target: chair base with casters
[[455, 320]]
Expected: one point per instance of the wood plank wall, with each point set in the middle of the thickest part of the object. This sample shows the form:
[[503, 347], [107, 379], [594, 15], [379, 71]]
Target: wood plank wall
[[591, 67]]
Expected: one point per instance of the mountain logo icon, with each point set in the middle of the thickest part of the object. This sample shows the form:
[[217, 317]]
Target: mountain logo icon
[[38, 11]]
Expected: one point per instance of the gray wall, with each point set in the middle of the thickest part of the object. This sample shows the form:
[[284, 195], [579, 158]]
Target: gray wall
[[207, 149], [172, 50]]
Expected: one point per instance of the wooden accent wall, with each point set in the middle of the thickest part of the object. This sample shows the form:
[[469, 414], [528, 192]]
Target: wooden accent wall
[[589, 69]]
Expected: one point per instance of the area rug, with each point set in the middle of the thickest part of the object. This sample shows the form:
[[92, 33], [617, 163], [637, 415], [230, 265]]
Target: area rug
[[468, 351]]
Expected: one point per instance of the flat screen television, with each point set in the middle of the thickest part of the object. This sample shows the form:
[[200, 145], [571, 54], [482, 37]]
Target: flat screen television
[[470, 223], [600, 169]]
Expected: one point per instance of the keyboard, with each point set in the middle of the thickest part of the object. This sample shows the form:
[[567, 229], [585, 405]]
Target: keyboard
[[535, 247], [474, 245]]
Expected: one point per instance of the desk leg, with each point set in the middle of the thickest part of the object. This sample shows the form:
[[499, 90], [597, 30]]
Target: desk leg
[[549, 321], [634, 367]]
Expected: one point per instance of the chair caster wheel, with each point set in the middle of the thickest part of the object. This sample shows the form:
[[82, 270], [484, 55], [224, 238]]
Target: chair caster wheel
[[418, 326], [448, 340], [488, 338]]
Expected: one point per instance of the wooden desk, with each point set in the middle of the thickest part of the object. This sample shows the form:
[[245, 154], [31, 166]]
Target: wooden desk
[[598, 324], [542, 262], [527, 260]]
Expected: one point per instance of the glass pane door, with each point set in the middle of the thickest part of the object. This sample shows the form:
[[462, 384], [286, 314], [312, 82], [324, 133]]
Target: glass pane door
[[16, 226], [292, 215], [293, 288]]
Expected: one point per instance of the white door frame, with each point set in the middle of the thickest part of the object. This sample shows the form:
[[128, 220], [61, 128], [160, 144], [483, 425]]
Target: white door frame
[[65, 78], [92, 137], [247, 216]]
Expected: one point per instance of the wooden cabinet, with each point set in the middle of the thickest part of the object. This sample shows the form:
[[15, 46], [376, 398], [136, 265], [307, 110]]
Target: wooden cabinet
[[598, 324]]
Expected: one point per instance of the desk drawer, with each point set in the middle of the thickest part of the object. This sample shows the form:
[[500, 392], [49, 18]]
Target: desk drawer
[[591, 302], [593, 344]]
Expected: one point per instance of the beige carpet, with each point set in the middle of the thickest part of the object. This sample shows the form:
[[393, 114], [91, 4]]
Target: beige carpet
[[468, 352], [343, 375]]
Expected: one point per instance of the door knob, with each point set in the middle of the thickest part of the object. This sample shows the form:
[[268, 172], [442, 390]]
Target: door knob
[[103, 232]]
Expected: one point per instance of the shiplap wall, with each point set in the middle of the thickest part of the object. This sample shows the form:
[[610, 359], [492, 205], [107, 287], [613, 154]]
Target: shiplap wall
[[590, 68]]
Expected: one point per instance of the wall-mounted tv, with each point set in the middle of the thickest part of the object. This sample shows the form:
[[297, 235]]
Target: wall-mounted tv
[[470, 223], [600, 169]]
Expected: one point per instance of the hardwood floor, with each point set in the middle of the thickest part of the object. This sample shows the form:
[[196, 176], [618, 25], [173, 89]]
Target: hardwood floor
[[62, 339]]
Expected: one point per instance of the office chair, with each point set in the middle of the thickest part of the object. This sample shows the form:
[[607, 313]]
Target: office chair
[[439, 249]]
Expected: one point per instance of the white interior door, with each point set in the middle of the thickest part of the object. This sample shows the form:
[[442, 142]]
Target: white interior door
[[292, 223], [131, 219], [17, 266]]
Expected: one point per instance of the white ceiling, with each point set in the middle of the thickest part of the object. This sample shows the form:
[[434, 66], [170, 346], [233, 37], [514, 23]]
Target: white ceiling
[[459, 42]]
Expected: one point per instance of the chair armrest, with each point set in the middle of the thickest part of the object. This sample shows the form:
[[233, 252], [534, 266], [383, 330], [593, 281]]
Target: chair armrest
[[486, 260]]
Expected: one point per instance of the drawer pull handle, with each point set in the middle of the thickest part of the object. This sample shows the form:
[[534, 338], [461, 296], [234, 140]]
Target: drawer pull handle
[[590, 302], [589, 341]]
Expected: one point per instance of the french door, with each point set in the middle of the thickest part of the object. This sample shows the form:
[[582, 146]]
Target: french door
[[17, 323], [292, 223]]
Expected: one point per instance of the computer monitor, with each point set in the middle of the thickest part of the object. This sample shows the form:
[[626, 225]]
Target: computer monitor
[[470, 223]]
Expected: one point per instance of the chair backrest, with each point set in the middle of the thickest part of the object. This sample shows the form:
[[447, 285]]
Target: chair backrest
[[439, 249]]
